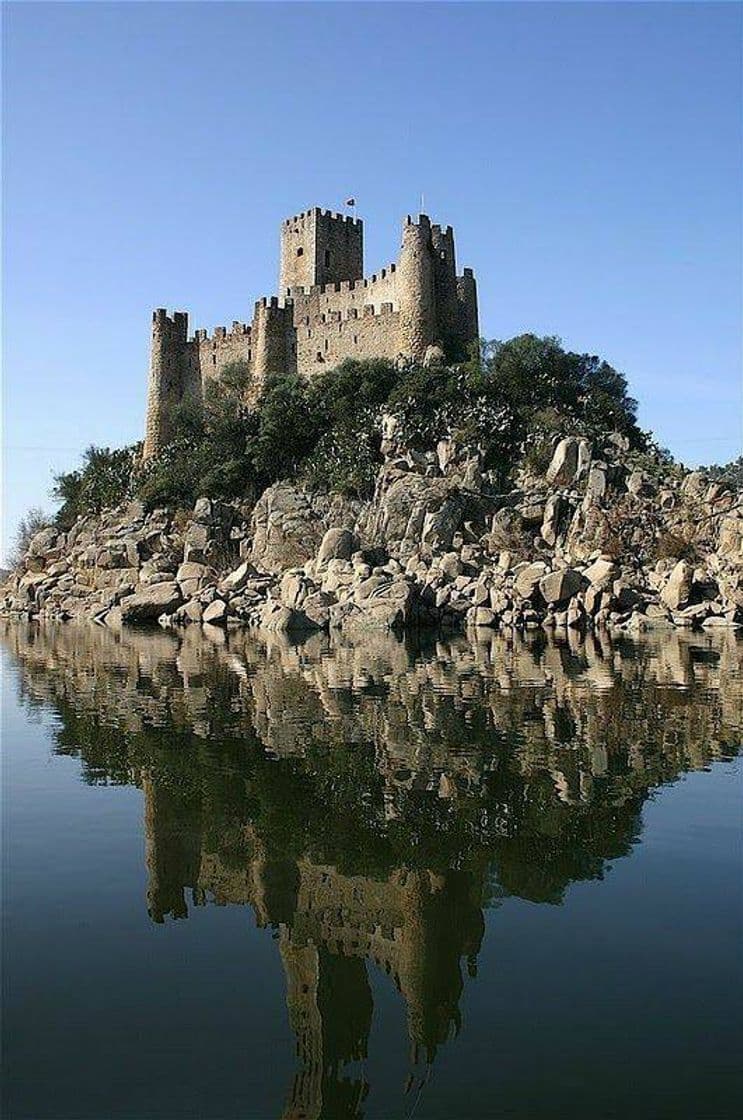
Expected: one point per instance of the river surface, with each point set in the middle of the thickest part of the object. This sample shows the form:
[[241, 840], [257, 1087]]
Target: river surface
[[385, 880]]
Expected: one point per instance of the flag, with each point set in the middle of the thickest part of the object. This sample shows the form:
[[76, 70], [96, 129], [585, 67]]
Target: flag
[[350, 202]]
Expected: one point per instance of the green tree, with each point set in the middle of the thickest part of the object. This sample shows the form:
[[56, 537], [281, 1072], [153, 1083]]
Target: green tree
[[103, 480]]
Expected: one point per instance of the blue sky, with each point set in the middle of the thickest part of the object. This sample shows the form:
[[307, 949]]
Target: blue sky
[[588, 156]]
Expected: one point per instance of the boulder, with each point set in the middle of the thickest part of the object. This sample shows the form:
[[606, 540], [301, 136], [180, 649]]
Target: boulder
[[278, 619], [149, 602], [216, 613], [597, 484], [527, 581], [556, 517], [677, 590], [600, 573], [640, 485], [695, 485], [482, 616], [559, 587], [196, 542], [288, 525], [337, 544], [237, 579], [410, 510], [193, 610], [377, 603], [564, 465], [190, 578], [42, 542]]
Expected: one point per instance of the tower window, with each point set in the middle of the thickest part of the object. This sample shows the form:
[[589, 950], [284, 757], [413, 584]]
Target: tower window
[[300, 251], [327, 258]]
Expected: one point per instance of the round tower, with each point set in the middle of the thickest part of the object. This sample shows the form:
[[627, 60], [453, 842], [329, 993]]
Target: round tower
[[269, 335], [416, 289], [164, 387]]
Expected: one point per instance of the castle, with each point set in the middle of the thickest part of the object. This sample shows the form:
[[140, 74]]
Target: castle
[[327, 311]]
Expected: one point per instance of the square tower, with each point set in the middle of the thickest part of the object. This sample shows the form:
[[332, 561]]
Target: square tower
[[319, 247]]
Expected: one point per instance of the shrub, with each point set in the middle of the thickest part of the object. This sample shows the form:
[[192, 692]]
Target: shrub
[[347, 457], [104, 479], [33, 522]]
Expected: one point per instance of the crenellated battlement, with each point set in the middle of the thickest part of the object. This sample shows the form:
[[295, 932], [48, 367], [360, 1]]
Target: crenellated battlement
[[176, 324], [368, 310], [325, 311], [317, 212], [237, 329]]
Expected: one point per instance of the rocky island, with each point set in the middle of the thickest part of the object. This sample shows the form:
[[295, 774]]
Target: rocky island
[[407, 476]]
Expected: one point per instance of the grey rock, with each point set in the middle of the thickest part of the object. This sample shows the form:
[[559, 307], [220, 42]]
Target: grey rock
[[600, 573], [148, 603], [564, 464], [216, 613], [677, 590], [527, 581], [560, 586], [337, 544]]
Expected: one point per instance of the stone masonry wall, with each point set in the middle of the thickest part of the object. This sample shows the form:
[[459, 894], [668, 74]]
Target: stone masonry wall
[[328, 313]]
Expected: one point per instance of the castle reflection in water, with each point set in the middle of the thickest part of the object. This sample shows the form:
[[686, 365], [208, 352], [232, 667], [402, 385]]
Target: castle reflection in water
[[368, 801]]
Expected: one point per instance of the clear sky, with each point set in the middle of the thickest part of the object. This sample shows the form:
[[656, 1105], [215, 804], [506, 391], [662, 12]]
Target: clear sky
[[588, 156]]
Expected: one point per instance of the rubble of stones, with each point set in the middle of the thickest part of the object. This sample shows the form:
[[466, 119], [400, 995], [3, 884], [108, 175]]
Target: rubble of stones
[[595, 542]]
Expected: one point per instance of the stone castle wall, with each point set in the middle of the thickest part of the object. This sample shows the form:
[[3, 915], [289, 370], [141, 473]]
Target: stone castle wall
[[328, 312]]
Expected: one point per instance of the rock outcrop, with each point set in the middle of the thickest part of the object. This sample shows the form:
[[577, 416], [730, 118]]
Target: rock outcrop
[[601, 539]]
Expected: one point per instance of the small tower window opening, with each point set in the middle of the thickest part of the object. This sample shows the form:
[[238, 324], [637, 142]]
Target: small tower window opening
[[319, 357], [355, 340], [327, 258], [300, 251], [326, 343]]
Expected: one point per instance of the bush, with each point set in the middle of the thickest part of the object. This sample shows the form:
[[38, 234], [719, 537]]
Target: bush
[[104, 479], [347, 457], [34, 521]]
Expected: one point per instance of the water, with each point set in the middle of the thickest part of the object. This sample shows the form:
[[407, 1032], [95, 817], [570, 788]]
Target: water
[[384, 880]]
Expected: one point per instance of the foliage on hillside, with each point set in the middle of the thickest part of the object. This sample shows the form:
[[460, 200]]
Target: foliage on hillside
[[34, 521], [103, 480], [510, 399]]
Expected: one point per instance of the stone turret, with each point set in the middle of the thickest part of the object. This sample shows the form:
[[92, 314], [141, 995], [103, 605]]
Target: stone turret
[[272, 323], [416, 289], [165, 387], [469, 325]]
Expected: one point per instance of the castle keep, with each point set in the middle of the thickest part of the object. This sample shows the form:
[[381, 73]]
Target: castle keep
[[326, 311]]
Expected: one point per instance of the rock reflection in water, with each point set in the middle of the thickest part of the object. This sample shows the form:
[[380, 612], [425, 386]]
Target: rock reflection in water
[[369, 801]]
